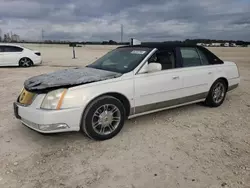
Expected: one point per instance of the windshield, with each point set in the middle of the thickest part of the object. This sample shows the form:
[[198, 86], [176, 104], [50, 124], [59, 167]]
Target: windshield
[[121, 60]]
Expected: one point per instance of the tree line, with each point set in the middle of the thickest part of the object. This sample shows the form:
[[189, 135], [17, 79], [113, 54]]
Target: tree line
[[112, 42]]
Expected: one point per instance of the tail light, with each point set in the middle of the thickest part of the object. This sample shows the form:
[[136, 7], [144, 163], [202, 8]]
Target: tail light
[[38, 53], [237, 69]]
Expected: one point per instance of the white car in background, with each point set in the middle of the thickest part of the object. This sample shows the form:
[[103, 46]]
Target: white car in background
[[127, 82], [16, 55]]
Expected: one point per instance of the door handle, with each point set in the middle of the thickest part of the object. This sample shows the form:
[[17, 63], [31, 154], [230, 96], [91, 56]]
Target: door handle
[[209, 72], [175, 77]]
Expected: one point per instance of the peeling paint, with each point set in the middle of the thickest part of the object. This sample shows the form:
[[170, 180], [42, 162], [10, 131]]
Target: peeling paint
[[68, 78]]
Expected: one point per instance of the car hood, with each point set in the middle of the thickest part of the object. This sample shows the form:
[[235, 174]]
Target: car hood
[[67, 78]]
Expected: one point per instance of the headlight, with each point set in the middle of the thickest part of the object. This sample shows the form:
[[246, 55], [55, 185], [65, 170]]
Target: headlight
[[53, 100]]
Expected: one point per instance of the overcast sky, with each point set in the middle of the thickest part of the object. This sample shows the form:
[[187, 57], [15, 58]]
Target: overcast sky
[[147, 20]]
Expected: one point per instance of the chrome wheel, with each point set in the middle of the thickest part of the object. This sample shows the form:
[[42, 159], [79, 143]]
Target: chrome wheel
[[25, 62], [218, 92], [106, 119]]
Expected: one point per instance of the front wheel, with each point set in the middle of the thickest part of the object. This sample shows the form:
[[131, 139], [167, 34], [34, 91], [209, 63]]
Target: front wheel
[[103, 118], [217, 94]]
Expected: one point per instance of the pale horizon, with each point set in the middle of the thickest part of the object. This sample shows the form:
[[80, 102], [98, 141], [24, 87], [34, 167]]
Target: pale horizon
[[148, 21]]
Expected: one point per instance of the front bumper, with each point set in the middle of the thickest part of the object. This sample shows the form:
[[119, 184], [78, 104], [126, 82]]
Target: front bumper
[[49, 121]]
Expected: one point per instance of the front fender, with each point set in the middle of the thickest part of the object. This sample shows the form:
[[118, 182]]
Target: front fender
[[80, 97]]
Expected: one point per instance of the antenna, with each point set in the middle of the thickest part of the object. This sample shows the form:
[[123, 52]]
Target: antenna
[[121, 32]]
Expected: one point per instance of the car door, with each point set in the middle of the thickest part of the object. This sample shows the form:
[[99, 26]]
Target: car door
[[12, 55], [196, 74], [157, 90], [1, 56]]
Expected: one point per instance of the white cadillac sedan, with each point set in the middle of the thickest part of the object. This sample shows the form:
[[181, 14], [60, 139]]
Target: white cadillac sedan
[[127, 82], [15, 55]]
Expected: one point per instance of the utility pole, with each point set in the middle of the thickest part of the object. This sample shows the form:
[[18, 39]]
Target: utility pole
[[11, 38], [42, 34], [121, 33], [0, 35]]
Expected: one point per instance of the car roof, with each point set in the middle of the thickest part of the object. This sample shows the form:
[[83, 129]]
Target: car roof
[[10, 44], [160, 45]]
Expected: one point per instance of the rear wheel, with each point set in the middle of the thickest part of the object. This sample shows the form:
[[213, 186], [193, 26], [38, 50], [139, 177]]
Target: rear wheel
[[25, 62], [217, 94], [103, 118]]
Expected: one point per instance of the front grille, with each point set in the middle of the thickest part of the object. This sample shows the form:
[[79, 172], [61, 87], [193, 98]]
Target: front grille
[[26, 97]]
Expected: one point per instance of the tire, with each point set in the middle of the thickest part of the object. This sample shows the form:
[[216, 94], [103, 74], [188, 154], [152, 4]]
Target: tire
[[103, 118], [216, 98], [25, 62]]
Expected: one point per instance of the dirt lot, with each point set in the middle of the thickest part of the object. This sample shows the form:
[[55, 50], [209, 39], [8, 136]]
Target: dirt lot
[[192, 146]]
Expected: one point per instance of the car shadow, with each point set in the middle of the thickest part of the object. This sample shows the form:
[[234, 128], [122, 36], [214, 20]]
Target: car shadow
[[164, 114], [17, 67], [135, 123]]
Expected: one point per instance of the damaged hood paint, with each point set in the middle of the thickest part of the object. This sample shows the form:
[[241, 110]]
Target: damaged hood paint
[[68, 78]]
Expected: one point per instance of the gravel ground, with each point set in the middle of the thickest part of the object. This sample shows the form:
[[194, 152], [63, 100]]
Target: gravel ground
[[192, 146]]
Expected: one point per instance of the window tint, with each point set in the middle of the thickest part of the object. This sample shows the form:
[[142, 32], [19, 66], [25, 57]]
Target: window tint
[[203, 57], [12, 49], [121, 60], [166, 58], [1, 48], [212, 58], [190, 57]]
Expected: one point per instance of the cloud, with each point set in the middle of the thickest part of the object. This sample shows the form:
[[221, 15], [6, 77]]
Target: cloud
[[152, 20]]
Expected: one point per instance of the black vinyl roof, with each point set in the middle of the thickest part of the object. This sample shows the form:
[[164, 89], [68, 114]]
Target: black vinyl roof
[[171, 46], [160, 45]]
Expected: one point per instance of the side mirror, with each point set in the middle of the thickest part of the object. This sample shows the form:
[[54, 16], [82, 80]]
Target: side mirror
[[151, 67], [154, 67]]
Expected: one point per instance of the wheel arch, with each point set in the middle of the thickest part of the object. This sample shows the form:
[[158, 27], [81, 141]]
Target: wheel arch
[[122, 98], [220, 78], [209, 101], [224, 79]]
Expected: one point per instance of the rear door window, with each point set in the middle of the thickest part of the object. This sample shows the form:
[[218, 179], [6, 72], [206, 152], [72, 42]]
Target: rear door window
[[1, 49], [190, 57], [12, 49], [204, 59]]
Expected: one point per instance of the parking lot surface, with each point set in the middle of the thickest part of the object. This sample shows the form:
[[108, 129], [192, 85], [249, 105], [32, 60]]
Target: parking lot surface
[[192, 146]]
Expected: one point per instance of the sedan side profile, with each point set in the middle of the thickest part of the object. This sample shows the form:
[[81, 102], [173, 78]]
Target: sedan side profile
[[15, 55], [126, 82]]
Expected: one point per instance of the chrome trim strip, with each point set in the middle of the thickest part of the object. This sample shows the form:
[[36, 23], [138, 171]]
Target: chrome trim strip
[[173, 90], [161, 109], [234, 78], [169, 103]]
